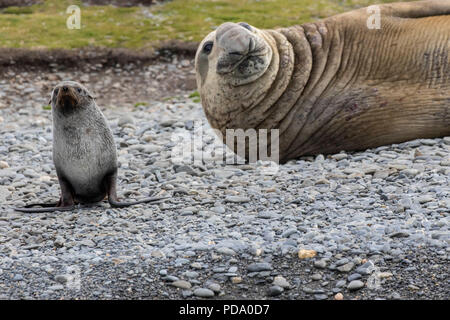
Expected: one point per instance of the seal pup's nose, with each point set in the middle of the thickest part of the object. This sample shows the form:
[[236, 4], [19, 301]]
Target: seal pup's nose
[[64, 88]]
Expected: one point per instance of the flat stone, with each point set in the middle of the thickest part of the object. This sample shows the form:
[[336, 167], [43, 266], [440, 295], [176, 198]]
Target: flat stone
[[259, 266], [316, 277], [203, 293], [274, 291], [281, 282], [237, 199], [320, 264], [182, 284], [355, 285], [214, 287], [346, 267]]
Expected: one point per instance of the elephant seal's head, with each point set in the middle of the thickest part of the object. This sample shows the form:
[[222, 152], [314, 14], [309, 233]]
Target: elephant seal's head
[[235, 67], [235, 52]]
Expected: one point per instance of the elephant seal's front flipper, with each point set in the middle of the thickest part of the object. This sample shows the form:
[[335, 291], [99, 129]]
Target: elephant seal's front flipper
[[416, 9]]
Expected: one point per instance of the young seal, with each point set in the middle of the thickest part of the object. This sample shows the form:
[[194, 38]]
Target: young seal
[[84, 152], [334, 84]]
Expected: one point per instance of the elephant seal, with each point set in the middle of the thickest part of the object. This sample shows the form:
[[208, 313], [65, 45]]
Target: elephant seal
[[334, 84], [84, 152]]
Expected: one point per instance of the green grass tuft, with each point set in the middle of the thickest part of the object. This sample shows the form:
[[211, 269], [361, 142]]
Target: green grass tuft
[[194, 94], [17, 10], [44, 25]]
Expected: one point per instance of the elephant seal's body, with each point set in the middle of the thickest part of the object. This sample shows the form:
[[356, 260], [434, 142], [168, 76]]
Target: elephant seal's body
[[334, 84], [84, 152]]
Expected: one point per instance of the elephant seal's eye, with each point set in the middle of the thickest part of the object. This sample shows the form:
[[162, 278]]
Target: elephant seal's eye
[[245, 25], [208, 47], [56, 91]]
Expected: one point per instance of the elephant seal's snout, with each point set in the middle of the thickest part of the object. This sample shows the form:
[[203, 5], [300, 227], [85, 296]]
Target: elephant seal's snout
[[236, 43]]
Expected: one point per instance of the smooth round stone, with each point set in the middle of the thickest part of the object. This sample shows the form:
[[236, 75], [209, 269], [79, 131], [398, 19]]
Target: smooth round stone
[[259, 266], [338, 296], [182, 284], [320, 264], [203, 293], [316, 277], [354, 276], [355, 285], [274, 291], [62, 278], [214, 287], [281, 282]]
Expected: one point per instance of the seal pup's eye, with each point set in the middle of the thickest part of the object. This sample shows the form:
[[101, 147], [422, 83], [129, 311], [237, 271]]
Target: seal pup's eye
[[56, 91], [208, 47], [245, 25]]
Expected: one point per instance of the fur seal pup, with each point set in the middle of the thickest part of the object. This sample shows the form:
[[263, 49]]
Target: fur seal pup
[[84, 152], [334, 84]]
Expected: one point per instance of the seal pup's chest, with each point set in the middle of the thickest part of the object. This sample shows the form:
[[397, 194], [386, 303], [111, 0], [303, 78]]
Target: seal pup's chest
[[84, 154]]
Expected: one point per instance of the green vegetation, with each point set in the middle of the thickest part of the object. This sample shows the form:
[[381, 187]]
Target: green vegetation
[[138, 104], [47, 107], [18, 10], [195, 96], [44, 25]]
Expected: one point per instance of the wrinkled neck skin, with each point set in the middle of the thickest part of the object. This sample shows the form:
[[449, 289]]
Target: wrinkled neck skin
[[268, 102], [335, 85]]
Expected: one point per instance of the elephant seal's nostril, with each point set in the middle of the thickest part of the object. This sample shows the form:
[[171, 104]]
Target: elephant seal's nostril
[[245, 25]]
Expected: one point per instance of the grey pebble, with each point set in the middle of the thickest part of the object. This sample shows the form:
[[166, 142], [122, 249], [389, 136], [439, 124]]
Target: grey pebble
[[182, 284], [274, 291], [203, 293], [259, 266], [355, 285]]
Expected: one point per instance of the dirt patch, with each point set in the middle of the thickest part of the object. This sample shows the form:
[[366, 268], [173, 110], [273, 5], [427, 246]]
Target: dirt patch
[[17, 3], [123, 85], [25, 59], [72, 58]]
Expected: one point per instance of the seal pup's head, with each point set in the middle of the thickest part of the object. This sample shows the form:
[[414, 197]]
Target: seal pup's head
[[70, 96]]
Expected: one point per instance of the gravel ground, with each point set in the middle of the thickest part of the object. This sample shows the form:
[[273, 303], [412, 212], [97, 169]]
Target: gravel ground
[[365, 225]]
